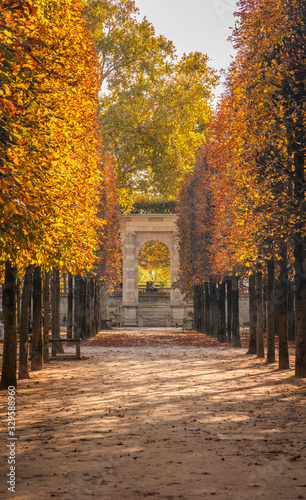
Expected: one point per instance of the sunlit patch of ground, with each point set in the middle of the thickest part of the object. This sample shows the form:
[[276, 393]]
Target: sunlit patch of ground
[[145, 413]]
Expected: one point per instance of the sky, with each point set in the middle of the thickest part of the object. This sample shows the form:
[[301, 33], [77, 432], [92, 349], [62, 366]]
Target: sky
[[194, 25]]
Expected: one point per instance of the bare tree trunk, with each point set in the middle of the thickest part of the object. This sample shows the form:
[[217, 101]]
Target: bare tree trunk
[[236, 342], [213, 310], [221, 313], [229, 308], [97, 307], [55, 324], [283, 363], [197, 307], [24, 324], [9, 363], [270, 313], [298, 148], [264, 303], [83, 309], [18, 302], [300, 307], [70, 306], [207, 309], [103, 305], [202, 309], [37, 341], [86, 308], [46, 316], [260, 321], [291, 325], [92, 300], [88, 305], [252, 316], [77, 307]]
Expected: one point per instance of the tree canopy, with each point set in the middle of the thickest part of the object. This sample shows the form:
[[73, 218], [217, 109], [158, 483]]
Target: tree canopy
[[58, 200], [255, 157], [50, 151], [153, 108]]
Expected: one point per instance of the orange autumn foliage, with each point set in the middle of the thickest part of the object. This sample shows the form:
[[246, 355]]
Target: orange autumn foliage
[[50, 152]]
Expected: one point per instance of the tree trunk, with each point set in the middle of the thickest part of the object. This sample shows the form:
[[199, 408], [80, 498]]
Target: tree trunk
[[197, 308], [77, 307], [37, 341], [300, 308], [88, 306], [55, 324], [83, 308], [103, 305], [283, 362], [298, 148], [264, 303], [277, 295], [46, 315], [202, 308], [229, 309], [70, 306], [92, 302], [252, 316], [97, 308], [207, 309], [213, 310], [9, 363], [31, 307], [221, 313], [236, 342], [24, 324], [270, 313], [18, 302], [260, 319], [291, 325]]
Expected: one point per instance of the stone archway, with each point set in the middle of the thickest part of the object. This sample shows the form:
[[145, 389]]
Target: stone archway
[[136, 230]]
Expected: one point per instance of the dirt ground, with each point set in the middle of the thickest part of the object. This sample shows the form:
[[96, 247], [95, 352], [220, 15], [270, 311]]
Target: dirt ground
[[158, 413]]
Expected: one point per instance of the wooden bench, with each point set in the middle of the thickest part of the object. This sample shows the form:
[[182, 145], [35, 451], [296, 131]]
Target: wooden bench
[[77, 347], [188, 324], [245, 327], [106, 324]]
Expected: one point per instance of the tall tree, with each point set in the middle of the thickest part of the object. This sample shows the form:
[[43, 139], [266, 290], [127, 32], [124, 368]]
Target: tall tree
[[50, 151], [271, 38], [153, 108]]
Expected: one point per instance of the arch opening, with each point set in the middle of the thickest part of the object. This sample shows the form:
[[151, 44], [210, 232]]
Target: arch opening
[[154, 267]]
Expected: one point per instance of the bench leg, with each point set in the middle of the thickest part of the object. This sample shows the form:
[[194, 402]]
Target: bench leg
[[78, 350]]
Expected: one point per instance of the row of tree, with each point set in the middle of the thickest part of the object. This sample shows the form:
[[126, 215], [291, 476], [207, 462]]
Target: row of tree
[[58, 202], [242, 210], [103, 73]]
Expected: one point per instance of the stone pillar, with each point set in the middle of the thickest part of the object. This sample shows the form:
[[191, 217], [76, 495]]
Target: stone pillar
[[175, 295], [130, 282]]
